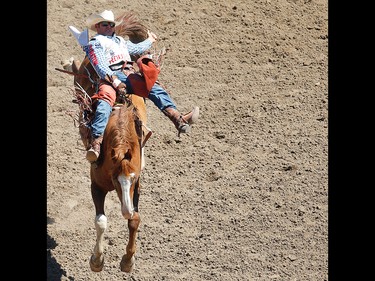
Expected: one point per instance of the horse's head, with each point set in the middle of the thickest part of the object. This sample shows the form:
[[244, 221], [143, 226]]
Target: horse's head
[[121, 152]]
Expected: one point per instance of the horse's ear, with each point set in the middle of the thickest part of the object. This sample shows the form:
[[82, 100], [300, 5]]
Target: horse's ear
[[119, 156], [75, 66], [116, 156], [127, 156]]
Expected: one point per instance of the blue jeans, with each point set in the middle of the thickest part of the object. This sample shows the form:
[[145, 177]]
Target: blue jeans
[[98, 124], [157, 95]]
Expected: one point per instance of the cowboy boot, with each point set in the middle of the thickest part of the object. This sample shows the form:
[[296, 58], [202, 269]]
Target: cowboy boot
[[182, 122], [94, 151]]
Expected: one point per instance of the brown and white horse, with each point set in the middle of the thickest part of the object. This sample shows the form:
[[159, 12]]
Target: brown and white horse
[[119, 168], [121, 160]]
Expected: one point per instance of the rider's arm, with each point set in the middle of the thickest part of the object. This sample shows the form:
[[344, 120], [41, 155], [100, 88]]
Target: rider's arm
[[138, 48]]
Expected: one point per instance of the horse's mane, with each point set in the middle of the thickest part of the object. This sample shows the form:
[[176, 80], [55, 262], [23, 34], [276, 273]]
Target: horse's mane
[[123, 133], [131, 26]]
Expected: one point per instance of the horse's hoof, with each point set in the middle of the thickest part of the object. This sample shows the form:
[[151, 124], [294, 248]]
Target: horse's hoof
[[97, 265], [127, 266]]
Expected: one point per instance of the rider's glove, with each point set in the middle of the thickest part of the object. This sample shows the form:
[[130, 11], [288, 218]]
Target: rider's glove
[[117, 84]]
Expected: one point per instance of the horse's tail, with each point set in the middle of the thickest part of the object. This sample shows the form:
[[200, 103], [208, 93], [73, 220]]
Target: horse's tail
[[131, 26]]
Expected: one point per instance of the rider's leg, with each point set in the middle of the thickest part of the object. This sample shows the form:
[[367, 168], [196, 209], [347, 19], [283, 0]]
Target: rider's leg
[[98, 124], [164, 102]]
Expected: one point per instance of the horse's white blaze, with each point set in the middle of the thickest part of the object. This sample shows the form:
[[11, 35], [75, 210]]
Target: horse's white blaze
[[127, 208]]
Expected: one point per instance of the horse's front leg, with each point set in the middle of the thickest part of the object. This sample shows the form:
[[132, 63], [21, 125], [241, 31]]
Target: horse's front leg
[[97, 258], [127, 261]]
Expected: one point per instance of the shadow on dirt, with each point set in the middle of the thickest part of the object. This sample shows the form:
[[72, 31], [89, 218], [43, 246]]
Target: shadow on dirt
[[54, 270]]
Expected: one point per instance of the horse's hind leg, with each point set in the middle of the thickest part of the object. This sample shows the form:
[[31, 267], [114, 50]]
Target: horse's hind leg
[[97, 258], [128, 259]]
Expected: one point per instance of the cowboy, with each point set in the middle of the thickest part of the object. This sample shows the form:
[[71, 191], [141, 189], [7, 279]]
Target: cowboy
[[108, 54]]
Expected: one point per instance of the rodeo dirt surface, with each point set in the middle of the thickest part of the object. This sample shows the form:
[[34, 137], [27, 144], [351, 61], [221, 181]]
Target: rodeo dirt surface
[[244, 196]]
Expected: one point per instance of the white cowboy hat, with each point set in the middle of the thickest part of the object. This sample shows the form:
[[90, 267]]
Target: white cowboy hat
[[103, 16]]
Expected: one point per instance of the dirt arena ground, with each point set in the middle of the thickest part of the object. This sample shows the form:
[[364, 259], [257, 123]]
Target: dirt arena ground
[[244, 196]]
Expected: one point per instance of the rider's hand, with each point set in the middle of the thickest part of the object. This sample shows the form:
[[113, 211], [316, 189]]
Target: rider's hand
[[121, 91], [121, 94], [121, 87], [118, 85]]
